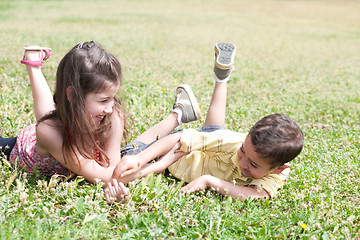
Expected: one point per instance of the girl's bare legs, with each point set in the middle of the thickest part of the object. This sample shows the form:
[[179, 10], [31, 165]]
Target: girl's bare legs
[[42, 97]]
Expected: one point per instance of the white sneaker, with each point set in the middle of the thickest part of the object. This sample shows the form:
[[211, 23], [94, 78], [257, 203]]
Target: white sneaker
[[224, 59], [185, 99]]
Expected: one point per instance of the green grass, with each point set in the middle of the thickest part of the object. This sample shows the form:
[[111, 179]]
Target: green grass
[[300, 58]]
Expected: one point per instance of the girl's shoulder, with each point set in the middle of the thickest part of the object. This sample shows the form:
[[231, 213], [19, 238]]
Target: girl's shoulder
[[48, 129], [49, 136], [51, 123]]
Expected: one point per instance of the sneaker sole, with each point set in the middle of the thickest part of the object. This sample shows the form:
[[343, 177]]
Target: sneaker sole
[[225, 55], [193, 100]]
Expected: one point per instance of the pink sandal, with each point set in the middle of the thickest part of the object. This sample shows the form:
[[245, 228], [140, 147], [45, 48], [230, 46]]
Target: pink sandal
[[45, 53]]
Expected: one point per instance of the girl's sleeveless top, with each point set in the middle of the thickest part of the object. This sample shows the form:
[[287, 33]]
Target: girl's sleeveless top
[[24, 155]]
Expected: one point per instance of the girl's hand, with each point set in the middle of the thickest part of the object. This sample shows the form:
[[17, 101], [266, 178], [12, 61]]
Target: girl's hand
[[128, 165], [201, 183], [116, 192]]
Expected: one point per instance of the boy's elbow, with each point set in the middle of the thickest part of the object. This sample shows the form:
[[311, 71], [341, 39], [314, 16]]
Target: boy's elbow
[[252, 193], [260, 193]]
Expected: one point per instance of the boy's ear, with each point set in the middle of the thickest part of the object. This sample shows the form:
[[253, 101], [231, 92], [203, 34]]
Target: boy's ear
[[69, 90], [281, 168]]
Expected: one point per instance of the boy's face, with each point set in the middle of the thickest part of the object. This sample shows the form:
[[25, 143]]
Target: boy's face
[[251, 164]]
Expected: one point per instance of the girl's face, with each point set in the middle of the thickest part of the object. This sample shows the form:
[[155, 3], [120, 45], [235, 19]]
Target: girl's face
[[100, 104]]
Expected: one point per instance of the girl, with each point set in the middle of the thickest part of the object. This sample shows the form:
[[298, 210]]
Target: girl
[[80, 128]]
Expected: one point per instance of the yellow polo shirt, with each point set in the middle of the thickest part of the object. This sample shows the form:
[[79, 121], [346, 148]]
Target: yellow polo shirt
[[215, 153]]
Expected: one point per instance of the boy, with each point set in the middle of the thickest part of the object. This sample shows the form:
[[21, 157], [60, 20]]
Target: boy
[[234, 164]]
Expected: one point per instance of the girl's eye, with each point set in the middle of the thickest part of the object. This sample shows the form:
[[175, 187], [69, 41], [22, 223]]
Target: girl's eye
[[242, 149], [108, 100]]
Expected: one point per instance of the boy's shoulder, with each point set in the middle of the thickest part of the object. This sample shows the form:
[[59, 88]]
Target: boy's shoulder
[[219, 132], [283, 175], [223, 137], [234, 135]]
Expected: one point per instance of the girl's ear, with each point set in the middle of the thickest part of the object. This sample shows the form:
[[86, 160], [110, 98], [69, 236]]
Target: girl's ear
[[69, 90]]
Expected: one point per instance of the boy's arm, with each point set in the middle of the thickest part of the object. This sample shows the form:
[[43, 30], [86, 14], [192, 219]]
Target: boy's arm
[[130, 164], [164, 162], [225, 188]]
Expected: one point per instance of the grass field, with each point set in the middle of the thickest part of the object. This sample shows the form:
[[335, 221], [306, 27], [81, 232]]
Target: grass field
[[300, 58]]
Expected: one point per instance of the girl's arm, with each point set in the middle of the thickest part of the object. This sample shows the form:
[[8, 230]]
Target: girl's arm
[[42, 97], [225, 188], [50, 141], [116, 189], [113, 145], [130, 164], [157, 167]]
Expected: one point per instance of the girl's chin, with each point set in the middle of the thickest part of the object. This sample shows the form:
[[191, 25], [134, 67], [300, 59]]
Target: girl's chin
[[95, 123]]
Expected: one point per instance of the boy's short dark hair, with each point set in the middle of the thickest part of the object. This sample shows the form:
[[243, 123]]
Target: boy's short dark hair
[[277, 137]]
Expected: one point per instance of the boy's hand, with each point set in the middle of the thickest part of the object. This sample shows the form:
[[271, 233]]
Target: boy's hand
[[128, 165], [116, 192], [172, 156], [197, 185]]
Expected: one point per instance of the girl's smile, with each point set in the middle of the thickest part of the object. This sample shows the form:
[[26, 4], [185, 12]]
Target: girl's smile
[[99, 105]]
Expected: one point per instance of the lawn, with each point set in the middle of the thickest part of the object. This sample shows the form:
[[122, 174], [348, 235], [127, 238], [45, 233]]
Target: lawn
[[300, 58]]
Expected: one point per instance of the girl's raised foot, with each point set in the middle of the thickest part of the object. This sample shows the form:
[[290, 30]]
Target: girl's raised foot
[[35, 55]]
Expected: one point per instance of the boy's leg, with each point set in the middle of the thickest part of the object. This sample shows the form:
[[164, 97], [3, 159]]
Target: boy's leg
[[216, 111], [224, 60], [185, 109], [161, 129]]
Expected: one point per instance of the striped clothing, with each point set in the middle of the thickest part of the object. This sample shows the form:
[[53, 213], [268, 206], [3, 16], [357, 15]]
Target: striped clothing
[[215, 153]]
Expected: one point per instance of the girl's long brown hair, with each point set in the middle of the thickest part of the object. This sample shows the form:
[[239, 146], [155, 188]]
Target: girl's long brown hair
[[86, 68]]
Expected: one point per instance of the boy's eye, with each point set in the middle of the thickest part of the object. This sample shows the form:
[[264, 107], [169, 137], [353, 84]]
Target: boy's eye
[[253, 165], [242, 149]]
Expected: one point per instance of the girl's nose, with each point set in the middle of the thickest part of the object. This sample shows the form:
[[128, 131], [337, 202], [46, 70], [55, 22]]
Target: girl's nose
[[108, 110]]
